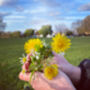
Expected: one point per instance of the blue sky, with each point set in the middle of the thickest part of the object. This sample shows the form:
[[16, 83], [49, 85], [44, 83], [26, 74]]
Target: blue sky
[[23, 14]]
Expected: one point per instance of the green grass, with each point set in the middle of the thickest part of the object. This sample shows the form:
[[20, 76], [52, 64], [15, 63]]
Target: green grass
[[12, 49]]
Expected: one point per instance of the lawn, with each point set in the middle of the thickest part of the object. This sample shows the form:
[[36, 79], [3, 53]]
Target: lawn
[[12, 49]]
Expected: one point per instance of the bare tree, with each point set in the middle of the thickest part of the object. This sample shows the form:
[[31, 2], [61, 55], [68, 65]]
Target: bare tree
[[62, 28], [2, 24], [76, 24]]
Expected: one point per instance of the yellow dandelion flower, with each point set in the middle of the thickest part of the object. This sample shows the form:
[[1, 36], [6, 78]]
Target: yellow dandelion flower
[[32, 45], [51, 71], [55, 65], [24, 59], [23, 71], [60, 43]]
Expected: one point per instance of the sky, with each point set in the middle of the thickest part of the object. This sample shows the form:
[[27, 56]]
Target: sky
[[24, 14]]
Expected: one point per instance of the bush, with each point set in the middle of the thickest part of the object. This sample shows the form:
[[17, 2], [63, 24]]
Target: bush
[[29, 32], [69, 33], [16, 34], [1, 33], [5, 35]]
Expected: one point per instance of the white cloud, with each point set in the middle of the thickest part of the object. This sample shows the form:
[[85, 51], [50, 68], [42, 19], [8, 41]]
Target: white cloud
[[49, 3], [39, 10], [36, 10], [11, 22], [15, 17], [2, 14], [69, 18], [85, 7], [54, 13], [8, 2], [74, 17], [19, 9], [38, 21], [1, 2]]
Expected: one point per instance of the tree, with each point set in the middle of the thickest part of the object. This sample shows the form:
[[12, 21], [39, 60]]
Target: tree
[[83, 27], [2, 24], [29, 32], [76, 24], [75, 27], [86, 25], [45, 30], [62, 28]]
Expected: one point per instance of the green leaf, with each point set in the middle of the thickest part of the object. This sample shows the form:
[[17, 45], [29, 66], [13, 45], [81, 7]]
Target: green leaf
[[32, 73], [37, 47], [27, 86]]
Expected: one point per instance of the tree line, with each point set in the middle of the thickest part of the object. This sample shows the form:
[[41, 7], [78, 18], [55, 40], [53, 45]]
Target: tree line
[[45, 30], [80, 27]]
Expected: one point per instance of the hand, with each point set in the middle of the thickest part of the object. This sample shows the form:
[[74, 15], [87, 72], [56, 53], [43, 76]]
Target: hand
[[73, 72], [61, 82]]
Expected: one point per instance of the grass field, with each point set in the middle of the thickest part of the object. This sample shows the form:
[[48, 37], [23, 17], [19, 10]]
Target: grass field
[[12, 49]]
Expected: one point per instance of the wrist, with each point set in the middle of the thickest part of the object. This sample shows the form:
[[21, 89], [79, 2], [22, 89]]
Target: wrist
[[74, 74]]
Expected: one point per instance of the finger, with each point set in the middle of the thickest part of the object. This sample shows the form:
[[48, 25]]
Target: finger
[[23, 66], [28, 57], [56, 60], [25, 76], [26, 66]]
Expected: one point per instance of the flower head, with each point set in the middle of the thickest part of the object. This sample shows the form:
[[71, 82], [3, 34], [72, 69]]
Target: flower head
[[23, 71], [23, 59], [60, 43], [33, 45], [51, 71]]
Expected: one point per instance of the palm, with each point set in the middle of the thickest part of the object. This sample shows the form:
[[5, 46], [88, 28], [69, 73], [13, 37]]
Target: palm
[[61, 82]]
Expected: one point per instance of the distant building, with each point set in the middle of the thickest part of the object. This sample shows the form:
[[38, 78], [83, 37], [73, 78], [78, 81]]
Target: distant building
[[41, 36], [87, 33], [49, 36]]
